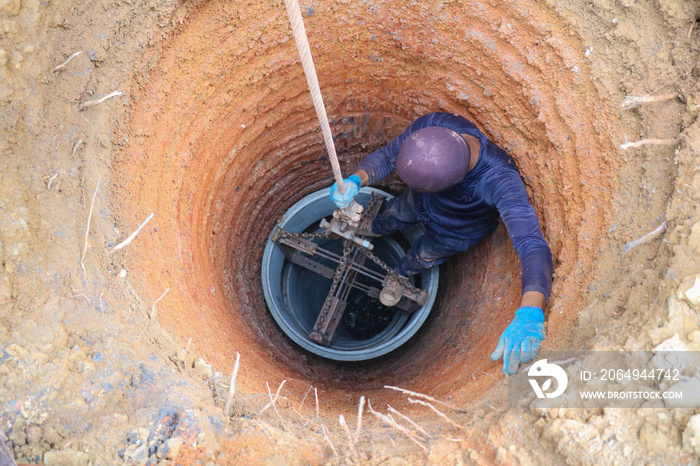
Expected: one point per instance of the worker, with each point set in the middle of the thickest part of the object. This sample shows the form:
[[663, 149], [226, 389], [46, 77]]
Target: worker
[[458, 184]]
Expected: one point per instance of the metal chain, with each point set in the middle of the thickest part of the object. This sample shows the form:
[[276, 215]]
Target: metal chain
[[391, 273], [287, 234], [342, 265], [313, 235]]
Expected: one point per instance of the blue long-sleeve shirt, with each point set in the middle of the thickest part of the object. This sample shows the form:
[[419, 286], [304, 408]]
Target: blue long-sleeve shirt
[[470, 209]]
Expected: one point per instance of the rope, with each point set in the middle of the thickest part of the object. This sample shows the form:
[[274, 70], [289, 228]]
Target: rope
[[307, 62]]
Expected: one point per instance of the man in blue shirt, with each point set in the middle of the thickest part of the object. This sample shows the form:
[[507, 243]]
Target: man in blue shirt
[[459, 185]]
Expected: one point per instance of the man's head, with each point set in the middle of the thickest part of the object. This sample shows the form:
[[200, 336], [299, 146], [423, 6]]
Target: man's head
[[433, 159]]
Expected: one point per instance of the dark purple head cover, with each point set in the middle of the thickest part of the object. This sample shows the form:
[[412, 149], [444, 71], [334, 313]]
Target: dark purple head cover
[[433, 159]]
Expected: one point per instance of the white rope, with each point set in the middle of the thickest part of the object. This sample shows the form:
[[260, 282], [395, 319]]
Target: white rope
[[307, 62]]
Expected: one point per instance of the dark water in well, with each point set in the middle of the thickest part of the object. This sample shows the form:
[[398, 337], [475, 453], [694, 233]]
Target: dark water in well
[[365, 317]]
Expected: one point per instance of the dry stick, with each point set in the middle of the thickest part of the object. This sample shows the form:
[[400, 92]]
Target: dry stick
[[132, 236], [646, 238], [632, 101], [269, 393], [153, 309], [63, 65], [328, 439], [410, 421], [437, 411], [273, 400], [316, 395], [657, 142], [48, 186], [92, 103], [75, 147], [83, 295], [232, 386], [87, 229], [421, 395], [690, 31], [302, 405], [351, 441], [304, 399], [391, 422], [360, 408]]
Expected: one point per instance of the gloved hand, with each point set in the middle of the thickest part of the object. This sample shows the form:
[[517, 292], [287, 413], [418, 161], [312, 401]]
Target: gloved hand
[[520, 341], [352, 187]]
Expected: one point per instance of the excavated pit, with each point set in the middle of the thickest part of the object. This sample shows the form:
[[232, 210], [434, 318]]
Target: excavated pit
[[223, 139]]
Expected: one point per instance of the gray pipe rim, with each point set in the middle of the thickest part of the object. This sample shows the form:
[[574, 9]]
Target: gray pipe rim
[[300, 216]]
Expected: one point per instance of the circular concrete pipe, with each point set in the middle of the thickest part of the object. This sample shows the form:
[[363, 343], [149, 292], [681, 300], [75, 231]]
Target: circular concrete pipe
[[295, 295]]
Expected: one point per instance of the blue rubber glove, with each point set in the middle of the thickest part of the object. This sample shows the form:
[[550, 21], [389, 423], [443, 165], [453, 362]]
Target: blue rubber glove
[[352, 187], [520, 341]]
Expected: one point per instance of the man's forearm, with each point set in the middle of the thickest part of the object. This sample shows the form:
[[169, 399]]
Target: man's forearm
[[363, 176], [533, 298]]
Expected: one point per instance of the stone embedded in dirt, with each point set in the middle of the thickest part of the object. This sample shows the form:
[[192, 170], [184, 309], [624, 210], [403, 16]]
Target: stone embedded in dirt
[[681, 318], [694, 337], [673, 353], [203, 369], [51, 436], [444, 452], [653, 439], [66, 457], [17, 352], [171, 448], [672, 344], [691, 290], [140, 455], [139, 436], [694, 238], [195, 429], [574, 439], [18, 436], [691, 436], [690, 388], [34, 434]]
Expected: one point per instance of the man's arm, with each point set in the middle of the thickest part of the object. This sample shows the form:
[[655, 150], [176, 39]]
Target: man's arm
[[510, 198], [520, 341]]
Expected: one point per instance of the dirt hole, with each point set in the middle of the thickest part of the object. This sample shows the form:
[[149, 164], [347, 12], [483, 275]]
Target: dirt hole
[[224, 139]]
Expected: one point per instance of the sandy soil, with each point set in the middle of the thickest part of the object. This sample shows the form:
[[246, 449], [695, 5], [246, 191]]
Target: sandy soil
[[125, 357]]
